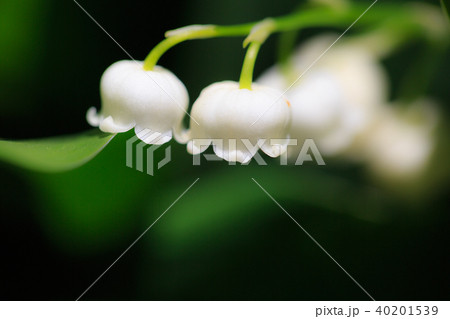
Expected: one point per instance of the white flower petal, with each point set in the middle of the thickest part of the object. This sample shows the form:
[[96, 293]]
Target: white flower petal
[[93, 117], [152, 137], [197, 146], [181, 134], [109, 125], [399, 147], [334, 100], [273, 150], [237, 121], [154, 100]]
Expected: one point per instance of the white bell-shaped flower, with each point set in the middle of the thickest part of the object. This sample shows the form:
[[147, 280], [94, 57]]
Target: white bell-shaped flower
[[153, 102], [400, 144], [335, 94], [239, 121]]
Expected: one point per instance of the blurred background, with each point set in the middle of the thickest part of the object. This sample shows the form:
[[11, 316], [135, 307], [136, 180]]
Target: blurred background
[[225, 239]]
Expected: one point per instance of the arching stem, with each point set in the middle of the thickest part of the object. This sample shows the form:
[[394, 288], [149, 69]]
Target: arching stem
[[246, 79]]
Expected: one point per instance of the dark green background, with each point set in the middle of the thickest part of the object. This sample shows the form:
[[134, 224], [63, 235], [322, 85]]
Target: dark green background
[[225, 239]]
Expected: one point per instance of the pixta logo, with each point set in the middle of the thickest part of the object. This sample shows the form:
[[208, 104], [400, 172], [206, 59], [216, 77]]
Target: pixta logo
[[137, 161], [141, 155], [307, 152]]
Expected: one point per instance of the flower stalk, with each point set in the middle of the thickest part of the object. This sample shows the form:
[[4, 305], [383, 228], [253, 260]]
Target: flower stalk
[[246, 79], [307, 17], [258, 35]]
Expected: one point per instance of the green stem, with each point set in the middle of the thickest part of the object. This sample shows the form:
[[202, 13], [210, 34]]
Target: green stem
[[321, 16], [159, 50], [309, 17], [245, 82], [156, 53]]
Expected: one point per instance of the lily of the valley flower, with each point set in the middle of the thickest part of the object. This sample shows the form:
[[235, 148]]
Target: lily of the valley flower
[[401, 142], [239, 121], [150, 101], [336, 95]]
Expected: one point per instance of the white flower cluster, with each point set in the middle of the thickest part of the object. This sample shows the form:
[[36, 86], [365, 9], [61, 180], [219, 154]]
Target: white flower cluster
[[335, 98], [341, 102], [236, 121], [338, 100]]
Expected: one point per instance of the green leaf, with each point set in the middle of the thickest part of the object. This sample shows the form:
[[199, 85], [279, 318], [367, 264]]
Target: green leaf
[[95, 207], [445, 5], [54, 154]]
